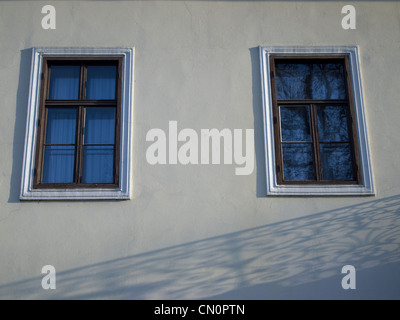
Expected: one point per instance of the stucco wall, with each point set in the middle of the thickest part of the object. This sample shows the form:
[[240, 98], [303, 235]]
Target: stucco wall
[[200, 231]]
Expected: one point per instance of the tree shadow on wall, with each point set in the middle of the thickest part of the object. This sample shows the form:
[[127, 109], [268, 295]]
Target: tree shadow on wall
[[296, 259]]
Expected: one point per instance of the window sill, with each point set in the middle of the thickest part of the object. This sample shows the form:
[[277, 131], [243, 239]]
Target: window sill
[[320, 190], [76, 194]]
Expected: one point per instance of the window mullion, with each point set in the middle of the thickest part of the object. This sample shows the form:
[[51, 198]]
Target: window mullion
[[79, 145], [316, 146], [80, 126], [82, 87]]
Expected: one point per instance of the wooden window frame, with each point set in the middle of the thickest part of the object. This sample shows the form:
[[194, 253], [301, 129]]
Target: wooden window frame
[[313, 104], [365, 184], [81, 104]]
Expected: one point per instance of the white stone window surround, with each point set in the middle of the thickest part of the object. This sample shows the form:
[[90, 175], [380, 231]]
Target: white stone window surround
[[273, 188], [124, 190]]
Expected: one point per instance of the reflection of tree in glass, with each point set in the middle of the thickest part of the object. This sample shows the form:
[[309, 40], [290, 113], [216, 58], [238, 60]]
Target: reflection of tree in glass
[[295, 123], [310, 81]]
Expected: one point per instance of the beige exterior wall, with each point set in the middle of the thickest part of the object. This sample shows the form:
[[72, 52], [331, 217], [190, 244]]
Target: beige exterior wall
[[200, 231]]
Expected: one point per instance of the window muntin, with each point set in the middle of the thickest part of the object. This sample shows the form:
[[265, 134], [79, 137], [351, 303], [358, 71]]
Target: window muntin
[[78, 143], [315, 135]]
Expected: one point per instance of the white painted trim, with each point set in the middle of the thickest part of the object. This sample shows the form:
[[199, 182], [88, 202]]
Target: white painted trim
[[124, 190], [367, 188]]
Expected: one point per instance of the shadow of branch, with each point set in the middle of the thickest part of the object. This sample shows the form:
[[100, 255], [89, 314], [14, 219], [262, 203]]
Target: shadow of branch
[[269, 261]]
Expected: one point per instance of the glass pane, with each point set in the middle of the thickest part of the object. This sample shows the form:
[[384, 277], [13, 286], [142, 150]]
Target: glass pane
[[99, 125], [310, 80], [332, 123], [298, 162], [58, 166], [336, 161], [64, 82], [101, 82], [61, 126], [98, 164], [295, 123]]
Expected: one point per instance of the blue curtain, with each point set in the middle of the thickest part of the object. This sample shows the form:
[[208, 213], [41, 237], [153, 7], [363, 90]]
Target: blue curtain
[[59, 153], [98, 149], [64, 82], [101, 82]]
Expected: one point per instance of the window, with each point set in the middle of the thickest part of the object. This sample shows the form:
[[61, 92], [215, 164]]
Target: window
[[316, 139], [78, 137]]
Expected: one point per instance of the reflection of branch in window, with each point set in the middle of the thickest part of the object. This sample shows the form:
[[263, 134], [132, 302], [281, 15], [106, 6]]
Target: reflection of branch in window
[[309, 80], [291, 80], [325, 75], [283, 74]]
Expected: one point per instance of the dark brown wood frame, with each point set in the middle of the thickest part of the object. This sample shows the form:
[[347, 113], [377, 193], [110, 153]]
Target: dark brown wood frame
[[79, 104], [352, 126]]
